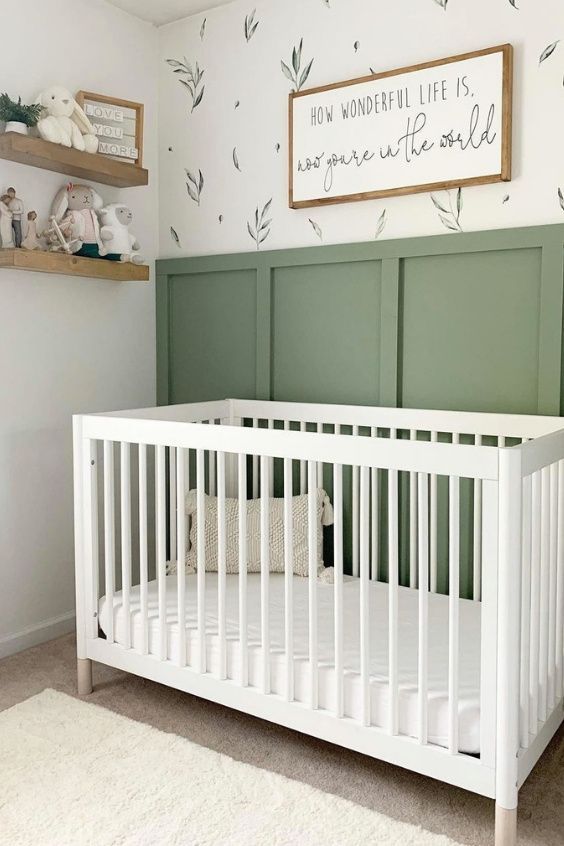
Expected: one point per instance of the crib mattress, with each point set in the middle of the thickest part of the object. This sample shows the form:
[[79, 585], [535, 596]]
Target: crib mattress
[[469, 666]]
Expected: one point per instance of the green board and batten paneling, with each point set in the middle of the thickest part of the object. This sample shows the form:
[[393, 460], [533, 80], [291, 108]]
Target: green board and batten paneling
[[468, 321]]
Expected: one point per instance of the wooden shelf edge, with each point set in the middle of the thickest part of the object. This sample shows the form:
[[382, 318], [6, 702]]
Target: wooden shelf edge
[[43, 262], [92, 167]]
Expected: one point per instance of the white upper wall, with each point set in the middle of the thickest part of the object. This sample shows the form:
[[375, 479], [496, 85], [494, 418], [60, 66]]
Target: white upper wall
[[387, 35], [67, 345]]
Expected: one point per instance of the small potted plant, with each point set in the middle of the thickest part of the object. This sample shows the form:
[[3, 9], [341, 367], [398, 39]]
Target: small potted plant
[[17, 116]]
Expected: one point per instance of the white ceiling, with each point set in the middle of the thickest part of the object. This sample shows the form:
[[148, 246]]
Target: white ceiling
[[160, 12]]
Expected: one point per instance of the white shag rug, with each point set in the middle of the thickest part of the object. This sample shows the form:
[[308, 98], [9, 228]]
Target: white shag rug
[[75, 774]]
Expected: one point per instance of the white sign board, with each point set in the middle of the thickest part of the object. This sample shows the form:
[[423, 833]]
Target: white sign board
[[438, 125]]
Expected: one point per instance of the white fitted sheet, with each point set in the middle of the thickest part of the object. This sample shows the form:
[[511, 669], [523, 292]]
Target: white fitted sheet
[[469, 666]]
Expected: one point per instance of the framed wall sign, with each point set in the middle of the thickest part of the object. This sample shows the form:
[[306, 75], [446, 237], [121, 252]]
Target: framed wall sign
[[432, 126], [118, 125]]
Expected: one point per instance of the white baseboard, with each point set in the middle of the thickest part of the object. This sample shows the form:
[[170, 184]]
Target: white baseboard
[[40, 633]]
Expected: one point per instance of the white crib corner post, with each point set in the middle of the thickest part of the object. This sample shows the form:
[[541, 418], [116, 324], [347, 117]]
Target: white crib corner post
[[508, 645], [84, 664]]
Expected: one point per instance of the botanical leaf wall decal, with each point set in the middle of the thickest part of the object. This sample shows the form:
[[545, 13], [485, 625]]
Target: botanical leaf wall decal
[[548, 51], [326, 3], [261, 229], [380, 224], [356, 46], [561, 199], [192, 78], [203, 29], [316, 229], [195, 186], [449, 215], [442, 3], [174, 236], [293, 71], [236, 159], [250, 25], [514, 4], [505, 199]]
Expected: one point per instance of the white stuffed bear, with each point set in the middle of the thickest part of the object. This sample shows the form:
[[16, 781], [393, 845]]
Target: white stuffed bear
[[64, 122], [117, 238]]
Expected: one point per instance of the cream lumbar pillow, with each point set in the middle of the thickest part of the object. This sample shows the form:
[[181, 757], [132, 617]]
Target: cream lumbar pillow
[[276, 533]]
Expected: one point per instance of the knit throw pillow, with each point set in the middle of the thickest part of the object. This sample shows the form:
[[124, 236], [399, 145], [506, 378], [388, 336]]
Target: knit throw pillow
[[300, 553]]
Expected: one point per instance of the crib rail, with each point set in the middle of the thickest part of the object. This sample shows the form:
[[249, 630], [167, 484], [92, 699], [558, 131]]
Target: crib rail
[[414, 489]]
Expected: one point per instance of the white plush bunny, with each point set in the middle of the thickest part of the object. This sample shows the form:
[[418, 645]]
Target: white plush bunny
[[64, 122]]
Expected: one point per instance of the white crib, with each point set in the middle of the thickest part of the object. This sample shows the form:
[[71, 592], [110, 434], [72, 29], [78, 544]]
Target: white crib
[[389, 659]]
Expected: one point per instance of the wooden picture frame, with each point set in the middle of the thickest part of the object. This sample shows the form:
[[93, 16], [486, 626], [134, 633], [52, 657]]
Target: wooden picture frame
[[88, 96], [503, 174]]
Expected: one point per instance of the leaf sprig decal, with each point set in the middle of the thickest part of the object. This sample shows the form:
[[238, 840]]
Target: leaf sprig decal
[[548, 51], [317, 229], [190, 78], [236, 160], [296, 75], [382, 220], [442, 3], [203, 29], [195, 186], [561, 198], [251, 25], [514, 4], [261, 230], [174, 236], [450, 217]]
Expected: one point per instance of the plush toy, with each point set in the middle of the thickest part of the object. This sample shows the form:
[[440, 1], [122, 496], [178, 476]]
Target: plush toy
[[64, 122], [75, 210], [118, 240]]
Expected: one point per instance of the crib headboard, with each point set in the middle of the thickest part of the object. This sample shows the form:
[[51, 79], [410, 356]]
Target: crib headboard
[[466, 321]]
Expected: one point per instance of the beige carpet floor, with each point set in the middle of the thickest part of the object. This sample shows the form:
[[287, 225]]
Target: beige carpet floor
[[390, 790]]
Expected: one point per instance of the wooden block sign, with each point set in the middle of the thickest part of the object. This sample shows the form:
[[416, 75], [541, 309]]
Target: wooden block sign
[[118, 125], [428, 127]]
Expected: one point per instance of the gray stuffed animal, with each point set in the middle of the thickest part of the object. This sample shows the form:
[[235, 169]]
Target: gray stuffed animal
[[75, 209]]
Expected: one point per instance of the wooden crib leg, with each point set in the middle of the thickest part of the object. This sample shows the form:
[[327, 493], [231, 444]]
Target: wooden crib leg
[[84, 676], [505, 826]]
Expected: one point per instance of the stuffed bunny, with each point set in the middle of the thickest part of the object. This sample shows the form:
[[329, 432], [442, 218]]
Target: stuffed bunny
[[64, 122], [118, 240], [75, 208]]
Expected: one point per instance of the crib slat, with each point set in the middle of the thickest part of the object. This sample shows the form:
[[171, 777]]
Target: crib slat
[[201, 557], [525, 612], [271, 466], [303, 472], [181, 555], [423, 594], [312, 584], [161, 548], [364, 596], [544, 597], [393, 581], [454, 603], [553, 553], [172, 501], [288, 581], [255, 467], [535, 603], [355, 517], [559, 680], [338, 586], [125, 498], [433, 542], [265, 572], [413, 522], [211, 468], [243, 621], [143, 556], [374, 518], [221, 566], [109, 535], [477, 535], [319, 463]]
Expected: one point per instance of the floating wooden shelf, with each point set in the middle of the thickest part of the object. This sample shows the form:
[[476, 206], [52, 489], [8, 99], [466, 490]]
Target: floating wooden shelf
[[66, 265], [90, 167]]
